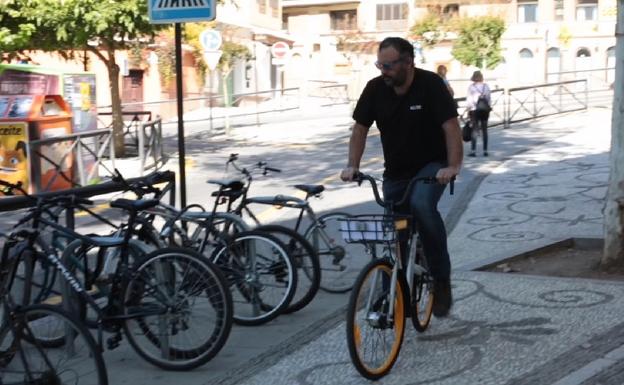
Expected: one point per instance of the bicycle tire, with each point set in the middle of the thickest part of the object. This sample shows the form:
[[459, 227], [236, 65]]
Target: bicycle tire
[[250, 284], [306, 262], [338, 262], [422, 296], [99, 290], [381, 330], [212, 227], [78, 360], [180, 283]]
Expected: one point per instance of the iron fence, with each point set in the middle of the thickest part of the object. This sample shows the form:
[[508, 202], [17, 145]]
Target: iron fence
[[75, 158]]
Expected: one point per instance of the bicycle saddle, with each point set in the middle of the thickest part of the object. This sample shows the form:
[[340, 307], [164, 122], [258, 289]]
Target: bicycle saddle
[[311, 189], [134, 205], [231, 184]]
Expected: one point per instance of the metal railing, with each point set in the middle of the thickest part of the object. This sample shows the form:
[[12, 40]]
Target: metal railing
[[75, 158], [18, 202], [151, 145], [132, 123], [523, 103]]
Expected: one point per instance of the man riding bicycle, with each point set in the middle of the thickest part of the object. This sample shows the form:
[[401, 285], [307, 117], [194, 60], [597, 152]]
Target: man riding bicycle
[[420, 136]]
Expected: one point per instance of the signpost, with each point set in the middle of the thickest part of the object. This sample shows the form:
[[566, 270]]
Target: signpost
[[180, 11], [211, 41], [279, 51]]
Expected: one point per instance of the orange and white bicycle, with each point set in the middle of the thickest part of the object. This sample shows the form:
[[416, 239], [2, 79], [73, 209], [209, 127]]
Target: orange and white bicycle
[[389, 288]]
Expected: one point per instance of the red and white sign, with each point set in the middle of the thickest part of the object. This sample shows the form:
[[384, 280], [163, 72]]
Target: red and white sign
[[279, 51]]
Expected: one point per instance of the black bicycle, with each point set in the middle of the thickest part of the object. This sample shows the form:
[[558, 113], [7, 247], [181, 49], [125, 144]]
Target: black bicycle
[[260, 272], [41, 344], [172, 304]]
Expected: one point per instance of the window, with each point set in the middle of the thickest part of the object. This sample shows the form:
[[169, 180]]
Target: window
[[386, 12], [558, 10], [587, 10], [527, 11], [526, 53], [450, 11], [261, 6], [343, 20], [583, 52], [274, 4]]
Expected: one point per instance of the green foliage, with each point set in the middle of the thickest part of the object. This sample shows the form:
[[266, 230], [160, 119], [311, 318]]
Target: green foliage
[[231, 53], [478, 42], [166, 52], [429, 30], [68, 25]]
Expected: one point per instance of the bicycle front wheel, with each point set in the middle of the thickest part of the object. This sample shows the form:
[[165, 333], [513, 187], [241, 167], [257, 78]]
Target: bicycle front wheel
[[306, 262], [261, 276], [24, 359], [178, 309], [338, 259], [375, 322]]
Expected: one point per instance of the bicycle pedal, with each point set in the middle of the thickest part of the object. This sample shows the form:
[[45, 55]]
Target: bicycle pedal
[[113, 342]]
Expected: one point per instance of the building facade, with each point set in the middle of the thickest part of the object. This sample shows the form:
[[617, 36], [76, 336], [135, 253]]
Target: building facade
[[545, 40]]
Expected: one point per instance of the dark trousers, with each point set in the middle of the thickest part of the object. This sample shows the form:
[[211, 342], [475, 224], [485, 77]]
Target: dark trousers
[[479, 122], [423, 205]]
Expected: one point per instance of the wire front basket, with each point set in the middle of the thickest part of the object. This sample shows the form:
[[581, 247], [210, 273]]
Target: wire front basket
[[372, 228]]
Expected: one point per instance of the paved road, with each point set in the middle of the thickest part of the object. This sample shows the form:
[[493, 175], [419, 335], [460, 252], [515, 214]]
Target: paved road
[[544, 181], [503, 328]]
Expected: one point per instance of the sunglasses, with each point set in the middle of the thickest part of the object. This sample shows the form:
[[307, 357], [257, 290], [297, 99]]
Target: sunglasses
[[389, 65]]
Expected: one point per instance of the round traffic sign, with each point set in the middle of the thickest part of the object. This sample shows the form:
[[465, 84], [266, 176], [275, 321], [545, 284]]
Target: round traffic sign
[[279, 50], [210, 39]]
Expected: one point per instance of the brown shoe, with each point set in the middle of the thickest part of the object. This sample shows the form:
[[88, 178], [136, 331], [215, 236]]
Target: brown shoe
[[442, 298]]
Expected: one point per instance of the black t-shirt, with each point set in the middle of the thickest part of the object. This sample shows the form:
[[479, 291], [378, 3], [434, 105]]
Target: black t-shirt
[[410, 124]]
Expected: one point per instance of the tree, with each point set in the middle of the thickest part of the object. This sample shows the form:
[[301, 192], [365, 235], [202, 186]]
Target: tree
[[614, 207], [478, 41], [98, 26], [430, 30], [232, 52]]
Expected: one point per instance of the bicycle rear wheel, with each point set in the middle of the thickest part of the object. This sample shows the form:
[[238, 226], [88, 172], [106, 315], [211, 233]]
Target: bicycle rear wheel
[[306, 262], [77, 360], [374, 338], [422, 295], [339, 265], [179, 309], [261, 276]]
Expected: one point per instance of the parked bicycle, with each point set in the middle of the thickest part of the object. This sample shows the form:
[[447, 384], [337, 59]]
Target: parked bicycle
[[41, 344], [261, 275], [172, 304], [389, 289], [338, 267]]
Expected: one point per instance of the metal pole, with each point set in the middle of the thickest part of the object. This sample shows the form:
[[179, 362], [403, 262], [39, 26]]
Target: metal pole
[[210, 97], [181, 152]]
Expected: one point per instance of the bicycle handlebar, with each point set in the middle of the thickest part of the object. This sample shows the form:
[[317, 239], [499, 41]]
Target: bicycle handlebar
[[260, 165], [360, 177]]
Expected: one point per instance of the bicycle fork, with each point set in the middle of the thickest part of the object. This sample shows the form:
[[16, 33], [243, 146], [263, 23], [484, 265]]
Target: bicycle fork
[[381, 314]]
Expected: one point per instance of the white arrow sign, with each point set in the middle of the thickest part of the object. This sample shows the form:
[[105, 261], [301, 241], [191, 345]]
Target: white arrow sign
[[210, 39]]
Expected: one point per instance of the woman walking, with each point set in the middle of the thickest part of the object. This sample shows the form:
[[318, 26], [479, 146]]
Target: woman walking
[[479, 102]]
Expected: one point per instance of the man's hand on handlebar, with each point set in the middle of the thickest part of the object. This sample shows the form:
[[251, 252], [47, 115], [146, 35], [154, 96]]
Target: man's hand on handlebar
[[446, 174], [348, 174]]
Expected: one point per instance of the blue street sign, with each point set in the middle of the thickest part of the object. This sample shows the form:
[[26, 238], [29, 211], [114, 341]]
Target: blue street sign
[[181, 11], [210, 39]]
